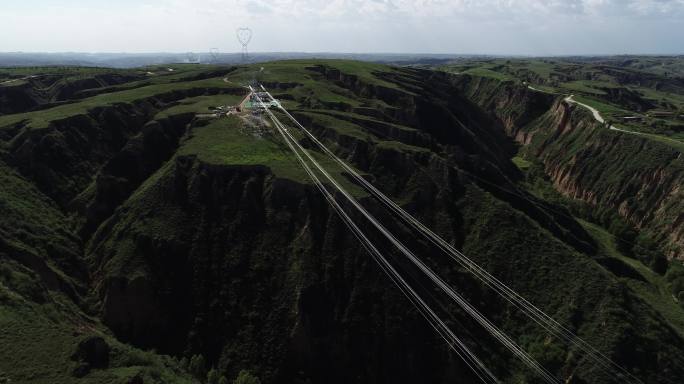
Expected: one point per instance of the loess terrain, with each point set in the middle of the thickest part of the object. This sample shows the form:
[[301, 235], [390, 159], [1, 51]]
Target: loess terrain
[[142, 241]]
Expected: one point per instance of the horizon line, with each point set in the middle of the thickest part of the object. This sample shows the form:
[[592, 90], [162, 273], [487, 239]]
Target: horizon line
[[336, 53]]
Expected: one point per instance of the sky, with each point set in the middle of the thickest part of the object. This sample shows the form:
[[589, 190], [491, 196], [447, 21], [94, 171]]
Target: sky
[[499, 27]]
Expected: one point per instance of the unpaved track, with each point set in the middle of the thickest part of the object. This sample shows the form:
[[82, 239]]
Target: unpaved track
[[597, 115], [594, 111], [15, 80], [600, 119]]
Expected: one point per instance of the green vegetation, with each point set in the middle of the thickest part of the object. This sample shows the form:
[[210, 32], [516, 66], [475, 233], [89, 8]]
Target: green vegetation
[[245, 377], [8, 73], [676, 144], [675, 281], [198, 367], [649, 285], [495, 230], [608, 111], [232, 141], [39, 340], [338, 122], [364, 71], [41, 119], [584, 86], [304, 77], [203, 237], [200, 104], [521, 163], [545, 89], [401, 147], [617, 86], [485, 72], [617, 240], [227, 141]]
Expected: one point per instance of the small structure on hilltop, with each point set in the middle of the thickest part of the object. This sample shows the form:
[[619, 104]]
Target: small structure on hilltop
[[632, 118], [660, 113], [257, 98]]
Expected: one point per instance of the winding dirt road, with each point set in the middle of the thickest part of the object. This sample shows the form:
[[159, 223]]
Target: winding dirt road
[[15, 80], [600, 119]]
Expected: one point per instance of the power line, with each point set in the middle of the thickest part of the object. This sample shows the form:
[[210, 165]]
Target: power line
[[244, 36], [507, 293], [504, 339], [469, 358]]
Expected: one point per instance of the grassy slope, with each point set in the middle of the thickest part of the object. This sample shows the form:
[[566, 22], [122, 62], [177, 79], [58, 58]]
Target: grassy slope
[[40, 327], [39, 339], [589, 81], [573, 288], [41, 119], [231, 141], [199, 104], [521, 163], [653, 288], [607, 110]]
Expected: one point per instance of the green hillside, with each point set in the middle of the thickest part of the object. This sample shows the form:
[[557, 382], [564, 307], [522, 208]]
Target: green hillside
[[149, 237], [649, 91]]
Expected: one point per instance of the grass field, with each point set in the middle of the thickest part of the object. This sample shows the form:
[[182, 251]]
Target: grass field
[[231, 141], [583, 86], [200, 104], [521, 163], [608, 111], [41, 119], [485, 72]]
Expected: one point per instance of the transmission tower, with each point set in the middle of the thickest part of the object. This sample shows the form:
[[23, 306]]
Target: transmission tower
[[214, 52], [192, 58], [244, 35]]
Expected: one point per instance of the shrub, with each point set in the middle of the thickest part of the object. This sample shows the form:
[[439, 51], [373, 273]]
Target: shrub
[[198, 367], [213, 376], [245, 377], [184, 363]]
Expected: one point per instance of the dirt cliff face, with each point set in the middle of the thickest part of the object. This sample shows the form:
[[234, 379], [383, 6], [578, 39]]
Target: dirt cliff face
[[47, 90], [639, 178], [513, 105], [63, 157], [253, 271]]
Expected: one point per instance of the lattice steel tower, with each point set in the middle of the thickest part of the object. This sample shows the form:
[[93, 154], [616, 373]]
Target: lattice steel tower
[[244, 35]]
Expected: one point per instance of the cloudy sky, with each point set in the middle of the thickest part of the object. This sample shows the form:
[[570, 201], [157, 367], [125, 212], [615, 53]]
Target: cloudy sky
[[526, 27]]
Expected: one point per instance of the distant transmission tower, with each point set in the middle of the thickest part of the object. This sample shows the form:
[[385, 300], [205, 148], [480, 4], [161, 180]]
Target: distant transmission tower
[[244, 35], [214, 52], [192, 58]]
